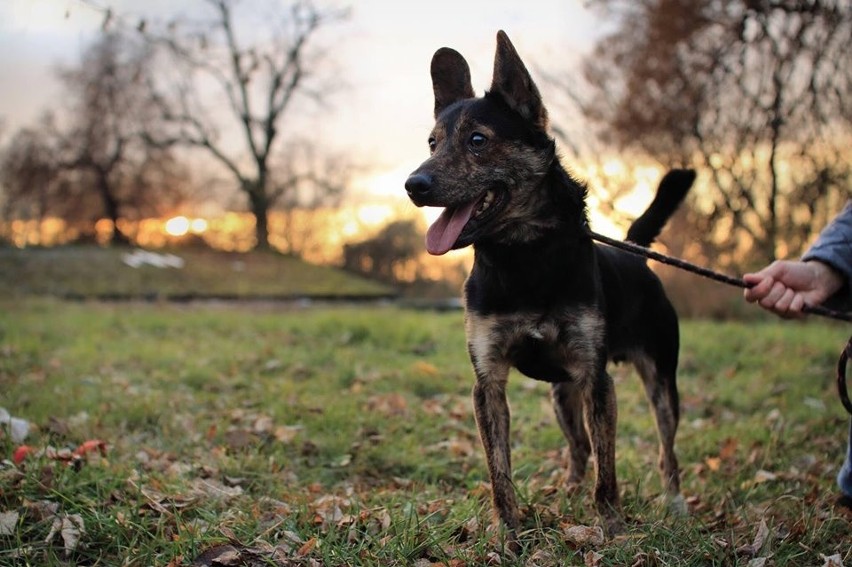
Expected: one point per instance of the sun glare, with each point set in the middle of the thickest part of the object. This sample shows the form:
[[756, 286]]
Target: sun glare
[[177, 226], [180, 226]]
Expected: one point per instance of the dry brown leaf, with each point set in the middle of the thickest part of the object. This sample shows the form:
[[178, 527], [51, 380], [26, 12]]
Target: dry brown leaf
[[393, 404], [729, 449], [238, 439], [584, 535], [433, 406], [713, 463], [456, 446], [541, 558], [425, 368], [307, 547], [592, 559]]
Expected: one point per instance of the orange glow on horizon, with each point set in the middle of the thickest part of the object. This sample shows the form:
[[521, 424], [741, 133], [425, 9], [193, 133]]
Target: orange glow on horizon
[[181, 226]]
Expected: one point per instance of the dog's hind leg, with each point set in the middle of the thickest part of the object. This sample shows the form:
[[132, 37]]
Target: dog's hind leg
[[659, 377], [568, 406]]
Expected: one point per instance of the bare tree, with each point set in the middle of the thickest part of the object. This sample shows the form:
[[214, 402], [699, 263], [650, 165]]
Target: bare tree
[[94, 163], [29, 174], [253, 84], [757, 94]]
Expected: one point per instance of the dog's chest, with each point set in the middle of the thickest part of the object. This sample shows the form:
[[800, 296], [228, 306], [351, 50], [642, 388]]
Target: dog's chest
[[553, 348]]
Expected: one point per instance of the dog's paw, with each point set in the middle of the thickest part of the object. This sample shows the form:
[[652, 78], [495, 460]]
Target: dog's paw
[[573, 486], [613, 526], [677, 505]]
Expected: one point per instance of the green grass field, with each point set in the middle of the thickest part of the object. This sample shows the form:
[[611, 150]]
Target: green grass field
[[344, 436]]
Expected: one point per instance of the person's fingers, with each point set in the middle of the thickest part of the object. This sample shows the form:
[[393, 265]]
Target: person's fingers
[[771, 298], [796, 306], [762, 286], [784, 302]]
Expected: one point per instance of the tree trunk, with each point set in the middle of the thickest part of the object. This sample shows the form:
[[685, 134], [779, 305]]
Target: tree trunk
[[260, 209], [111, 210]]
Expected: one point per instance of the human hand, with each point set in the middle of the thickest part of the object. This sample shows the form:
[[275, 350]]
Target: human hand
[[785, 287]]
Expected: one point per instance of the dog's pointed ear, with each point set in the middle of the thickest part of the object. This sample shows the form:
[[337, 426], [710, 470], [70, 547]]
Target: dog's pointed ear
[[450, 78], [513, 83]]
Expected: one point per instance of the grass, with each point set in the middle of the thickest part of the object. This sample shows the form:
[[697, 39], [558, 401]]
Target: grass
[[87, 272], [344, 436]]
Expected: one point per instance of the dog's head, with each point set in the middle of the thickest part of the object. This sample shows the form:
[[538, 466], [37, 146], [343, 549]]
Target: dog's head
[[489, 154]]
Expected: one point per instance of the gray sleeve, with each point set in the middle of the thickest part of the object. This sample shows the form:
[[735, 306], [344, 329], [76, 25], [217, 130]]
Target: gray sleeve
[[834, 247]]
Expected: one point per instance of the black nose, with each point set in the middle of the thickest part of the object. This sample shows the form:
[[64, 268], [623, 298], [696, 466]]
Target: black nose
[[418, 185]]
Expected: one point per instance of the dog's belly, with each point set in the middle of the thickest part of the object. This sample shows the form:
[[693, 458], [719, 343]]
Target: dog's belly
[[540, 360]]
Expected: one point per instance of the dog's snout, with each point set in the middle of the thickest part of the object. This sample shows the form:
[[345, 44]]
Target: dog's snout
[[418, 185]]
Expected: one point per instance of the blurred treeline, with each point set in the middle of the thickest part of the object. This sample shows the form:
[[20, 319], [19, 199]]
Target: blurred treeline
[[753, 94]]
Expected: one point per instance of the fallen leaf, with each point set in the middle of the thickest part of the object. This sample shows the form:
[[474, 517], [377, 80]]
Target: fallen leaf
[[18, 428], [286, 433], [41, 510], [456, 446], [8, 522], [642, 559], [433, 406], [392, 404], [239, 439], [764, 476], [90, 446], [425, 368], [592, 559], [307, 547], [831, 561], [713, 463], [214, 489], [759, 539], [21, 453], [221, 555], [729, 449], [70, 528], [541, 558], [584, 535]]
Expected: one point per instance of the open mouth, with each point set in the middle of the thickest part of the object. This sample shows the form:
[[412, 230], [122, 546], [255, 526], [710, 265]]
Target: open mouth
[[457, 226]]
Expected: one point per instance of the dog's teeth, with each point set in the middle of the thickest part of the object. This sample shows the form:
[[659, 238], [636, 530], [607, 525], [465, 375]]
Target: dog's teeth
[[486, 202]]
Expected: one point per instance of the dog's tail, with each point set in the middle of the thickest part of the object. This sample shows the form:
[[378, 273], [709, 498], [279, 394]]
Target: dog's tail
[[671, 191]]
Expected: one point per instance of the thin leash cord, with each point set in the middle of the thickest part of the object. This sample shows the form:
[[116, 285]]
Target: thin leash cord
[[710, 274]]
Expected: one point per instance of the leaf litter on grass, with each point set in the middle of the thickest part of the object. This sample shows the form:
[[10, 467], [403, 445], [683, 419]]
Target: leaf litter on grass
[[369, 454]]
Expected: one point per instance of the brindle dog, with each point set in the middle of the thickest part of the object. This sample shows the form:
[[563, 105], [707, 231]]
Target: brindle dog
[[541, 296]]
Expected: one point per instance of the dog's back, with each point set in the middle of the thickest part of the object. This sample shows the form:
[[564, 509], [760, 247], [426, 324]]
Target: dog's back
[[639, 314]]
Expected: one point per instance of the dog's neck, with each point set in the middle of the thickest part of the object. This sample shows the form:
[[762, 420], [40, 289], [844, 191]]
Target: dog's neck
[[560, 217]]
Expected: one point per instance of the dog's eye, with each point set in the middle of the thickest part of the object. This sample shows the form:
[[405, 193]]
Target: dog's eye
[[432, 143], [477, 141]]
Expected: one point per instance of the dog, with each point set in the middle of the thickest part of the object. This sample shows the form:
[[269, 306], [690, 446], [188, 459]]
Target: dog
[[541, 296]]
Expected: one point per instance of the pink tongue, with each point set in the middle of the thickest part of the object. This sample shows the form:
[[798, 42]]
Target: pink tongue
[[445, 231]]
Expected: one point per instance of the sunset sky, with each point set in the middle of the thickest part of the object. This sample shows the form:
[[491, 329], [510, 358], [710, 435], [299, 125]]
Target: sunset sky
[[382, 53]]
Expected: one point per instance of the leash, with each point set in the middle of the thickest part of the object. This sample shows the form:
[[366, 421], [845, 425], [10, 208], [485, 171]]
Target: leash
[[704, 272], [841, 377], [738, 282]]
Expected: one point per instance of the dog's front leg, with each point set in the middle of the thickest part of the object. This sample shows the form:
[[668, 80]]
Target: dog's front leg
[[492, 418]]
